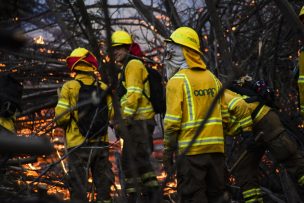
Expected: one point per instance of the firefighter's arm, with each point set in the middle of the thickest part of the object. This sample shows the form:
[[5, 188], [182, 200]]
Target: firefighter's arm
[[104, 87], [62, 106], [239, 110], [301, 82], [134, 85], [110, 107], [230, 127]]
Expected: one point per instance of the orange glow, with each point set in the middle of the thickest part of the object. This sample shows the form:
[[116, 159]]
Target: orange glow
[[39, 40], [73, 74]]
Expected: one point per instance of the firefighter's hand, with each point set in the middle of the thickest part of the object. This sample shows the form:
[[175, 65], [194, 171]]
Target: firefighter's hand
[[168, 162], [127, 121], [121, 127], [248, 141]]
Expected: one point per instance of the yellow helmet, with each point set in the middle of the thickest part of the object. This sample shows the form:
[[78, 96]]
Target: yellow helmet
[[82, 55], [187, 37], [301, 12], [121, 37], [79, 52]]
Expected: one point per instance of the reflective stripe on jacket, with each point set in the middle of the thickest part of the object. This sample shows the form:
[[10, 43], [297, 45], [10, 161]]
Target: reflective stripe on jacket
[[189, 94], [236, 114], [261, 113], [301, 81], [134, 104], [67, 99]]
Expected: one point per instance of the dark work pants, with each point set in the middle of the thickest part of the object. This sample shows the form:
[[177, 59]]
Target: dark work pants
[[137, 148], [100, 167], [281, 146], [201, 178]]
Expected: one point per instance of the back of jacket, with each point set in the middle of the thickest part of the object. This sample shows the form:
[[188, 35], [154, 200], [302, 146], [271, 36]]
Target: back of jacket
[[68, 98], [301, 81], [134, 104], [189, 95]]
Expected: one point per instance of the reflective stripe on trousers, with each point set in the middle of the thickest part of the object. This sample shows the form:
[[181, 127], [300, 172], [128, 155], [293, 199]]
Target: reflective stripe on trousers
[[253, 195]]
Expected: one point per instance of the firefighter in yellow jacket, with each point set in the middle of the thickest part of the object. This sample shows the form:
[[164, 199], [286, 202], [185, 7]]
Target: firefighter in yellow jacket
[[84, 151], [274, 138], [189, 93], [10, 100], [301, 70], [138, 114]]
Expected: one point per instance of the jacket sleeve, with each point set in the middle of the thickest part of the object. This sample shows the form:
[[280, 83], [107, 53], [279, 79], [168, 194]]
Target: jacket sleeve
[[63, 105], [173, 117], [110, 107], [239, 113], [301, 81], [104, 87], [134, 85]]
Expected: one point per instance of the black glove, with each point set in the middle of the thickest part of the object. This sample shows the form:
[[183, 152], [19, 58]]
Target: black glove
[[248, 141], [168, 162]]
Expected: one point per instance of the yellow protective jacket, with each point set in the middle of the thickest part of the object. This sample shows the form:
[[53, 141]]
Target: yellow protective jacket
[[134, 104], [67, 99], [301, 81], [189, 94], [236, 114], [261, 113], [233, 126], [8, 123]]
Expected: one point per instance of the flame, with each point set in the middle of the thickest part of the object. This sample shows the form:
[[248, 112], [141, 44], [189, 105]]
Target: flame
[[73, 74], [107, 58], [39, 40]]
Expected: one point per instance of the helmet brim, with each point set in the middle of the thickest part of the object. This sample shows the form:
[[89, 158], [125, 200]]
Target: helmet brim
[[169, 40], [119, 44]]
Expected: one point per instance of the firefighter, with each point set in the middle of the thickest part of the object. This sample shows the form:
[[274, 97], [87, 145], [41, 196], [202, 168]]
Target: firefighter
[[274, 138], [138, 115], [301, 70], [190, 91], [93, 152], [10, 101]]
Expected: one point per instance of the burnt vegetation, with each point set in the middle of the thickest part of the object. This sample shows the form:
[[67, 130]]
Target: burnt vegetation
[[261, 38]]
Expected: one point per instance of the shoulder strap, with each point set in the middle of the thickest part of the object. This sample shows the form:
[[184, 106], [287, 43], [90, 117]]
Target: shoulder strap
[[256, 110], [144, 81], [80, 82], [251, 99]]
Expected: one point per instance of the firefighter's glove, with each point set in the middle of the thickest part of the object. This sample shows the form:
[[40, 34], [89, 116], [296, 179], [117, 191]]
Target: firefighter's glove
[[248, 141], [168, 162], [119, 128], [127, 122]]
